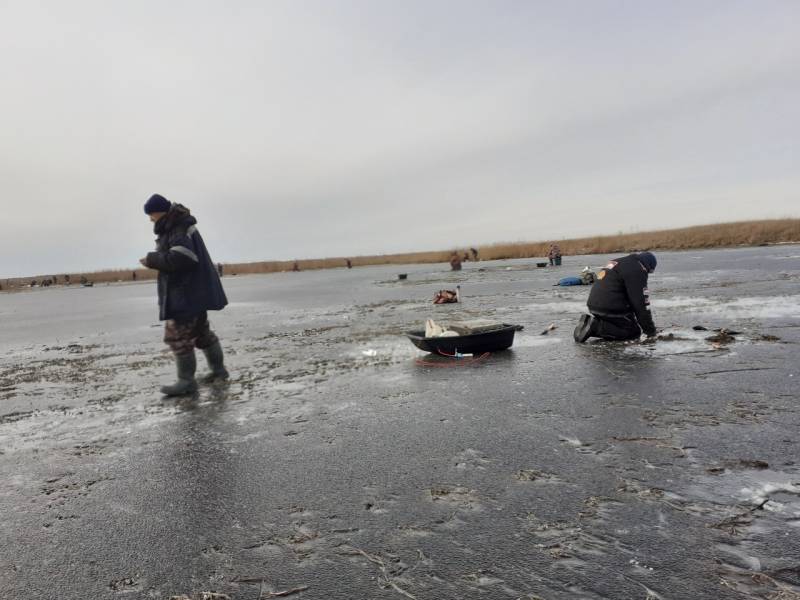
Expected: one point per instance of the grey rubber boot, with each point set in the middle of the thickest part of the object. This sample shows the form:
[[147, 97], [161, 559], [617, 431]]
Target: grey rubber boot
[[215, 363], [186, 384], [585, 328]]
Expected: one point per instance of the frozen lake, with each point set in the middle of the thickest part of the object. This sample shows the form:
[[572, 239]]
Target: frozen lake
[[334, 464]]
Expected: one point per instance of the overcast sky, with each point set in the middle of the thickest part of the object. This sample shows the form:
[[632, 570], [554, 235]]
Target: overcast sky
[[326, 128]]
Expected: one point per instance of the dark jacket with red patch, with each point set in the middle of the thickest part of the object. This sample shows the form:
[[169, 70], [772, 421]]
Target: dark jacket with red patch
[[188, 282], [621, 289]]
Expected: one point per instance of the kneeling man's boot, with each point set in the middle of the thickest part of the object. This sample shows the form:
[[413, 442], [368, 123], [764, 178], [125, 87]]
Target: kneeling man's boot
[[585, 328], [215, 359], [186, 384]]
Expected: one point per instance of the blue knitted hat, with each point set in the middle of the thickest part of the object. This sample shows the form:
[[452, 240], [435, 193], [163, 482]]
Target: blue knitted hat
[[157, 203], [648, 259]]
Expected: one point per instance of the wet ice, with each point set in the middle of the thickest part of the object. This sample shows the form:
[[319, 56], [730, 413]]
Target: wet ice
[[555, 470]]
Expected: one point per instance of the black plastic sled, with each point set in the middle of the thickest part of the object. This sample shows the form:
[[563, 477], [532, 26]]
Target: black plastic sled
[[498, 338]]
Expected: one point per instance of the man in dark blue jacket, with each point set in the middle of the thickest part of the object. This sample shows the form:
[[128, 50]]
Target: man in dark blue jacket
[[619, 302], [188, 286]]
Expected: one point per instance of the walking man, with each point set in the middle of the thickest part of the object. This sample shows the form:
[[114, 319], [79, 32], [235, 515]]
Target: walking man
[[188, 286], [619, 302]]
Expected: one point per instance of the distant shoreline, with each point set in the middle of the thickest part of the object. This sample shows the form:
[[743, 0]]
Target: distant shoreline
[[701, 237]]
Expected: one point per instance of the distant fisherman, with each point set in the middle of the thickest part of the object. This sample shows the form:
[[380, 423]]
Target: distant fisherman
[[619, 302], [188, 286], [554, 254]]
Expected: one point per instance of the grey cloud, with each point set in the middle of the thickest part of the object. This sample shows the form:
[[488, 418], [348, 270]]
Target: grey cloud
[[336, 128]]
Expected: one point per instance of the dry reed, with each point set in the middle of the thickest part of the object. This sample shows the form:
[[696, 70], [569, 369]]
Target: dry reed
[[746, 233]]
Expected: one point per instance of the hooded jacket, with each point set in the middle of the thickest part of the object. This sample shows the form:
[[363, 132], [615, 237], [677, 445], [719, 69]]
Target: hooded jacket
[[188, 283], [621, 289]]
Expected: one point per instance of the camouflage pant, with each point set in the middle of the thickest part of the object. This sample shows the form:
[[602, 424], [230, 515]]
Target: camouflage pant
[[184, 336]]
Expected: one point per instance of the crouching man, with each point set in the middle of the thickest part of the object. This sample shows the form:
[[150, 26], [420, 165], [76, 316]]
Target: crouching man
[[619, 302], [188, 286]]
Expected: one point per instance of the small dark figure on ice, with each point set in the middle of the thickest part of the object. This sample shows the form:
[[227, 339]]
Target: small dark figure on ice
[[474, 253], [619, 302], [220, 269], [349, 264], [554, 255], [455, 262], [188, 287]]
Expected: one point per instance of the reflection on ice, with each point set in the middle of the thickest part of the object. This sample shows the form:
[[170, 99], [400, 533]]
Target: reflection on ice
[[752, 563], [535, 341], [548, 308], [753, 307]]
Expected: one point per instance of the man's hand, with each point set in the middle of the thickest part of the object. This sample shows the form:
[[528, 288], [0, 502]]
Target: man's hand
[[143, 262]]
